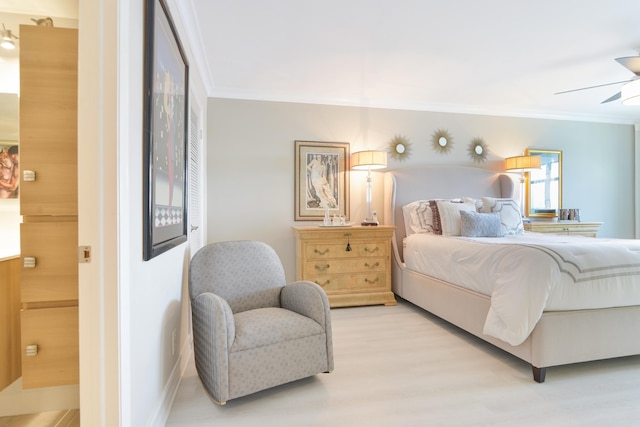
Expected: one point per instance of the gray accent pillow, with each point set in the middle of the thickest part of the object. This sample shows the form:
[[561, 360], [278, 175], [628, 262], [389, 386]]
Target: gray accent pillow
[[475, 224]]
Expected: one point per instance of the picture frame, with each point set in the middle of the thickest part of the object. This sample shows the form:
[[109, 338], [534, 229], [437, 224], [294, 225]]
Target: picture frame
[[166, 88], [321, 179], [9, 170]]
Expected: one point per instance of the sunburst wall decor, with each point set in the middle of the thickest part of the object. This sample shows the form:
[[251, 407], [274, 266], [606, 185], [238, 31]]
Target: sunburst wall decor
[[442, 141], [400, 147], [478, 150]]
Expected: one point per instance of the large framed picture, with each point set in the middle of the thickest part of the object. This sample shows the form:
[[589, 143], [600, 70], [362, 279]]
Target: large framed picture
[[166, 73], [322, 179]]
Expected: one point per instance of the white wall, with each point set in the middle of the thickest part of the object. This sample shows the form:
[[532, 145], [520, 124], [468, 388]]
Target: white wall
[[10, 220], [251, 161], [130, 308]]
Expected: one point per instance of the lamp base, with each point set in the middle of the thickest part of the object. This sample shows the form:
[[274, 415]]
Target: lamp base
[[369, 222]]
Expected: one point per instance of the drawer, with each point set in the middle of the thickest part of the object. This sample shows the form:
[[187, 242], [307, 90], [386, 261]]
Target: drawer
[[347, 283], [331, 250], [339, 266], [55, 332], [54, 245]]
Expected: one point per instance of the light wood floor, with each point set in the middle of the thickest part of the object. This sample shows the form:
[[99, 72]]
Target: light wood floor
[[65, 418], [400, 366]]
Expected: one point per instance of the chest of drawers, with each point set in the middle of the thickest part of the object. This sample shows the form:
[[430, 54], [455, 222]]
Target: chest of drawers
[[359, 276], [589, 229]]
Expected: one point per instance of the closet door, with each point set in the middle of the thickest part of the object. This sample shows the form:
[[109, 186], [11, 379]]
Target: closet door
[[50, 261], [48, 120], [196, 181], [50, 341]]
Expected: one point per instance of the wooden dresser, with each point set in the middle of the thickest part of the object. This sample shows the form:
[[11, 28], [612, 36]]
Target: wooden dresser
[[360, 276], [589, 229]]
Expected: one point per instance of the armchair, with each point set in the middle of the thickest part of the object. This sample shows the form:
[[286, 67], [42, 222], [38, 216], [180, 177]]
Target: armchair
[[251, 330]]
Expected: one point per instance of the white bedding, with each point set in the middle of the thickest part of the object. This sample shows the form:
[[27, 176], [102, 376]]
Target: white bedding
[[527, 274]]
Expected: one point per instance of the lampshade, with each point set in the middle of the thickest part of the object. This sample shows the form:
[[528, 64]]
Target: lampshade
[[522, 163], [369, 160], [7, 39], [630, 93]]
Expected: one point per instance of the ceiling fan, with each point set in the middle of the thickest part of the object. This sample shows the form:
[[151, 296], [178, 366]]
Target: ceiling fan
[[631, 63]]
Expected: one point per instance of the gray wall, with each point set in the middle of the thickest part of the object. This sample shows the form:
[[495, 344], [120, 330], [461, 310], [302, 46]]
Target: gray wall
[[250, 161]]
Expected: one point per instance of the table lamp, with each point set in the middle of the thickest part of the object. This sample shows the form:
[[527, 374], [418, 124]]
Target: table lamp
[[369, 160]]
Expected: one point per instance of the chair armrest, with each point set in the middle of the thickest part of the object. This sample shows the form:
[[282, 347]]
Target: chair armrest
[[308, 299], [213, 336]]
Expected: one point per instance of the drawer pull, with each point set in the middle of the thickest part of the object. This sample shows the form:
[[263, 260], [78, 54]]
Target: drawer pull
[[317, 251], [31, 350], [29, 262], [374, 250], [326, 282], [28, 175], [322, 267], [371, 281], [377, 264]]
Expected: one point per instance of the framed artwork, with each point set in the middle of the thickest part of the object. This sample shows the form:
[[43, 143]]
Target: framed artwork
[[9, 170], [166, 73], [322, 179]]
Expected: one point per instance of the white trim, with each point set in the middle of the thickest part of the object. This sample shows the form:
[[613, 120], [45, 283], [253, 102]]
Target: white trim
[[163, 409], [636, 182], [100, 396], [440, 108]]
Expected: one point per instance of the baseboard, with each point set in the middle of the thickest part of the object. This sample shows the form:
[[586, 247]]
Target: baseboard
[[161, 414], [14, 400]]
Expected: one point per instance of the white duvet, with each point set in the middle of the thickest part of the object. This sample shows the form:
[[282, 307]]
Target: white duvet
[[527, 274]]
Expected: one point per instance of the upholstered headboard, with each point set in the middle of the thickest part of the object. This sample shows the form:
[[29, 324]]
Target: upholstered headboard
[[404, 186]]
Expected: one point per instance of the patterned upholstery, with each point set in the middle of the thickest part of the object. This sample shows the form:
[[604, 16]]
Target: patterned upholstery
[[251, 330]]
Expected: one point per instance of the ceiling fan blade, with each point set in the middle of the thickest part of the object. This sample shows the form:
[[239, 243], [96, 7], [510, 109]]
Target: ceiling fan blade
[[593, 87], [631, 63], [612, 98]]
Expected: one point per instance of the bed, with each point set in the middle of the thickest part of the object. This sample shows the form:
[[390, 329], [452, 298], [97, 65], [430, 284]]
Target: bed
[[559, 337]]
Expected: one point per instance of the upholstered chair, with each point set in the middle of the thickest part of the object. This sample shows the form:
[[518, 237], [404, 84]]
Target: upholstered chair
[[252, 331]]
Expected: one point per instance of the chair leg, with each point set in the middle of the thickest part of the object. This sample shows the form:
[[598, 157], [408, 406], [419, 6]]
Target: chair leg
[[216, 402]]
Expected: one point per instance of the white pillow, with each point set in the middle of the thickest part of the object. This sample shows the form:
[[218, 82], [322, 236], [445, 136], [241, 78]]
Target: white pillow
[[450, 216], [510, 216], [476, 202], [418, 217]]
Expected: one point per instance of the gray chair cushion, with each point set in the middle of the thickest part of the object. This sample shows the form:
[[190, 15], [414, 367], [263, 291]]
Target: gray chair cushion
[[266, 326]]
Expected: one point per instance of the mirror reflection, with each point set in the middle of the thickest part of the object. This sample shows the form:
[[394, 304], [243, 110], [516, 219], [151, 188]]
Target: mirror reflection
[[544, 185]]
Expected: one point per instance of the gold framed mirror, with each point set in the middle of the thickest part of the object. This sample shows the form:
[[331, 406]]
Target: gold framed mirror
[[544, 186]]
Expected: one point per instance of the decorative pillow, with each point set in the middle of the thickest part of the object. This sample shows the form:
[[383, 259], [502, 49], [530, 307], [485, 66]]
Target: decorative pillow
[[449, 213], [475, 224], [436, 223], [424, 216], [417, 217], [435, 214], [476, 202], [510, 216]]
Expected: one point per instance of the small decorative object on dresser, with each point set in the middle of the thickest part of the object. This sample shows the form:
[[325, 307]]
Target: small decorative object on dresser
[[352, 265], [576, 228]]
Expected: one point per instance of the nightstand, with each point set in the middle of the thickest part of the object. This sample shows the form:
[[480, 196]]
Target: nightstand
[[589, 229], [361, 276]]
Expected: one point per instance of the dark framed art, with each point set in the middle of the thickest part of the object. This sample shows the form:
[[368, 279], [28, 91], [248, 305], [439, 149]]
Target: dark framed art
[[322, 179], [166, 76]]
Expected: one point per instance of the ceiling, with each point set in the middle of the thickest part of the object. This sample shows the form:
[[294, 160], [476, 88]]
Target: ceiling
[[491, 57]]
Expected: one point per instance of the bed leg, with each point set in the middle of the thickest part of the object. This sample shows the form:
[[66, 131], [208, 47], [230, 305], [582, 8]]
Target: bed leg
[[539, 374]]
